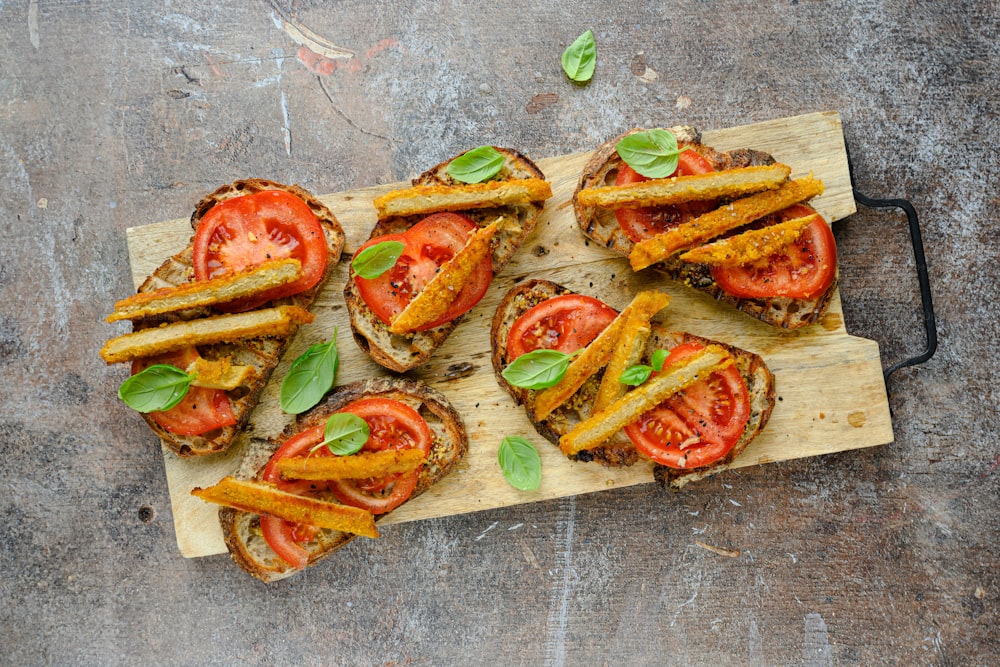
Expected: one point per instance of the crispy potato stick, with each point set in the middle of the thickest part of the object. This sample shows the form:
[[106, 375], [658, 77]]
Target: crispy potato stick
[[434, 198], [600, 426], [706, 227], [437, 295], [208, 292], [357, 466], [631, 345], [219, 373], [597, 354], [752, 246], [278, 321], [662, 191], [263, 498]]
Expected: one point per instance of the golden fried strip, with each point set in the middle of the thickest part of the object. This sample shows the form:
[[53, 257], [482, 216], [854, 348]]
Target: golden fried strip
[[263, 498], [219, 373], [357, 466], [698, 187], [437, 295], [600, 426], [631, 345], [706, 227], [208, 292], [434, 198], [277, 321], [597, 354], [749, 247]]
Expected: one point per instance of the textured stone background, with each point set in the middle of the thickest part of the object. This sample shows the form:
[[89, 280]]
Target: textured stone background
[[125, 113]]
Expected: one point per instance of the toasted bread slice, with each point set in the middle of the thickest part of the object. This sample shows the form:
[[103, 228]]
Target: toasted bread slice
[[618, 450], [401, 352], [262, 354], [601, 225], [241, 530]]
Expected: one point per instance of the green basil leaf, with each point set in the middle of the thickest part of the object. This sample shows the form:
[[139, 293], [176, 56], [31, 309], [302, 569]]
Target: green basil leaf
[[310, 377], [345, 433], [635, 375], [537, 369], [658, 358], [375, 260], [580, 58], [478, 165], [652, 153], [520, 463], [159, 387]]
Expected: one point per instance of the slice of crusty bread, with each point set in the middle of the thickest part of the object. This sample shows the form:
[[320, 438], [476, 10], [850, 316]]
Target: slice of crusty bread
[[601, 225], [241, 530], [260, 353], [618, 451], [401, 352]]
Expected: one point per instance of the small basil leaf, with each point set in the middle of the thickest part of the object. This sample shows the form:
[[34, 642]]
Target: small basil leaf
[[310, 377], [478, 165], [375, 260], [537, 369], [652, 153], [658, 358], [345, 433], [635, 375], [580, 58], [159, 387], [520, 463]]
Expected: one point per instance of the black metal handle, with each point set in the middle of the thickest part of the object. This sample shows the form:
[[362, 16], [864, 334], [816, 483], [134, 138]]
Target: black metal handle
[[930, 321]]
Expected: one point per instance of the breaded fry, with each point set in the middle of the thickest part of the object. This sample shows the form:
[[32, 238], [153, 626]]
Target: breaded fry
[[706, 227], [628, 351], [278, 321], [749, 247], [219, 373], [434, 198], [357, 466], [662, 191]]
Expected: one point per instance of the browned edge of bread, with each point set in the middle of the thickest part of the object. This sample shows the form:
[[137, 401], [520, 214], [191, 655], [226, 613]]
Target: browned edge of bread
[[601, 225], [402, 352], [241, 530], [262, 354], [619, 451]]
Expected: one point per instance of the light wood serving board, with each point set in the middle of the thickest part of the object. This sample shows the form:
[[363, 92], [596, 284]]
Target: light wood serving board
[[831, 394]]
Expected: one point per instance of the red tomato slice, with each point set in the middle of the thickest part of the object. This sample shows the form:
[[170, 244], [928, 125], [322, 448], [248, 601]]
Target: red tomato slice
[[697, 426], [429, 244], [565, 323], [803, 270], [241, 233], [201, 410], [643, 223]]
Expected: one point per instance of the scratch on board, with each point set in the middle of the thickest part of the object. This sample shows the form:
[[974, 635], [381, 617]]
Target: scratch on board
[[303, 36], [33, 23], [694, 596], [555, 642], [815, 642], [286, 130], [488, 529]]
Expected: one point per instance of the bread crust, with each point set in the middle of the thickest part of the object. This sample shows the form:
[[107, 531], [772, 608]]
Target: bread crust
[[619, 451], [262, 354], [241, 530], [402, 352], [602, 226]]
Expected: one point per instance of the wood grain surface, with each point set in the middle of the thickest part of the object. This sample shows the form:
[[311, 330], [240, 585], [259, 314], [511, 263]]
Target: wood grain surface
[[831, 396]]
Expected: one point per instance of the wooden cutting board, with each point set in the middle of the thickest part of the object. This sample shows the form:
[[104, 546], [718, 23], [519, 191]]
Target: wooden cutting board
[[831, 394]]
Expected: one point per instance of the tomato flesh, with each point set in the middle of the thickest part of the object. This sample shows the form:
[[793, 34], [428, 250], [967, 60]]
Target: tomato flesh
[[804, 269], [644, 223], [393, 425], [240, 233], [429, 244], [697, 426], [565, 323], [201, 410]]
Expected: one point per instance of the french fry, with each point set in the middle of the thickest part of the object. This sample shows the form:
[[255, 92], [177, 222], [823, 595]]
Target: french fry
[[699, 187], [219, 373], [423, 199], [596, 355], [208, 292], [357, 466], [751, 246], [277, 321], [437, 295], [263, 498], [628, 351], [706, 227], [599, 427]]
